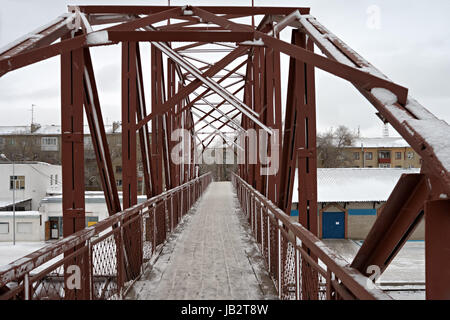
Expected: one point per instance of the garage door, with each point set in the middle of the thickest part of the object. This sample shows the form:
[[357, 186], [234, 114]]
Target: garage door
[[333, 225]]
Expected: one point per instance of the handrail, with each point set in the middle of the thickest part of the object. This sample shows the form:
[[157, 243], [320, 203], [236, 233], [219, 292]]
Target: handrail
[[18, 268], [350, 278]]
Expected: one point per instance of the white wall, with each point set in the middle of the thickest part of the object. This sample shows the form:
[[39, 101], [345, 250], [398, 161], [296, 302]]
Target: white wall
[[37, 180], [37, 227]]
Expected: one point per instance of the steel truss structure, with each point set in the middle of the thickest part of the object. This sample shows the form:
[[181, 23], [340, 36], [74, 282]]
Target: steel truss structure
[[174, 34]]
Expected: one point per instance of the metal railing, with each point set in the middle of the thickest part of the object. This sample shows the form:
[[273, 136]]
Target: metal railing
[[300, 264], [104, 260]]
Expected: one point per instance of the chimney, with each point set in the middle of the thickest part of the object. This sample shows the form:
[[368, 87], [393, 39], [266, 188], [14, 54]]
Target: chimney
[[116, 125], [35, 127]]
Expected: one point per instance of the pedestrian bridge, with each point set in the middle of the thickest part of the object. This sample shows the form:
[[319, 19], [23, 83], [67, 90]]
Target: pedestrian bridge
[[202, 240], [187, 240]]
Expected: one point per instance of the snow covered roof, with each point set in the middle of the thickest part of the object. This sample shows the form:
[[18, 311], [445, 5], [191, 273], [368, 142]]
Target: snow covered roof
[[355, 184], [385, 142], [8, 202], [47, 130], [89, 196], [4, 214]]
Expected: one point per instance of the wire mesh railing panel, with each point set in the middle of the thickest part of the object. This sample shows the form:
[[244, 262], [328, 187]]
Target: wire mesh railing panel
[[301, 266], [105, 268], [50, 286], [102, 261]]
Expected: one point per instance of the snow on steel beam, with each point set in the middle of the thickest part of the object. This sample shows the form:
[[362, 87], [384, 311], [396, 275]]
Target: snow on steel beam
[[395, 223], [182, 36], [234, 71], [39, 37], [99, 19], [185, 91], [352, 74], [148, 20], [426, 134], [216, 108], [21, 59], [216, 87], [190, 104], [215, 9]]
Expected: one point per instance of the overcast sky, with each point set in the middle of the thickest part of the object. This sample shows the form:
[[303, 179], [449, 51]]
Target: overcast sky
[[411, 46]]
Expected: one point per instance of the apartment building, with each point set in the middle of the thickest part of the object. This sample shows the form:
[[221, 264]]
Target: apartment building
[[385, 152], [43, 143]]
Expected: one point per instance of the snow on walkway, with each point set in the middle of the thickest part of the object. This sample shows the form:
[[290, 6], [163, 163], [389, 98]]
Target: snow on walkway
[[211, 255]]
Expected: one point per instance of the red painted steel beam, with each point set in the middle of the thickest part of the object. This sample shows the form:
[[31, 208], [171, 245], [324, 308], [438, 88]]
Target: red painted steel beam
[[395, 223], [72, 157], [154, 17], [185, 91], [98, 135], [182, 36], [132, 240], [38, 38], [294, 99], [216, 107], [144, 135], [437, 249], [212, 9], [354, 75], [22, 59]]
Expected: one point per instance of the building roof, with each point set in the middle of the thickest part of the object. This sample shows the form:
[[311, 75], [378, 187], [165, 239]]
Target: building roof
[[47, 130], [89, 196], [18, 214], [355, 184], [384, 142], [8, 202]]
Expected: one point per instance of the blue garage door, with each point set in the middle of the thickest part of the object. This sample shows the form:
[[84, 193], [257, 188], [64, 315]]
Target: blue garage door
[[333, 225]]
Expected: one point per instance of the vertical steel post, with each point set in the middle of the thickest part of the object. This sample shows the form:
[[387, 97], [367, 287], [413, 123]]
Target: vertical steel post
[[129, 164], [72, 156], [437, 249]]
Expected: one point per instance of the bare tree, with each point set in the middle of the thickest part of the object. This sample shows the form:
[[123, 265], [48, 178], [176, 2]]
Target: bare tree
[[331, 148]]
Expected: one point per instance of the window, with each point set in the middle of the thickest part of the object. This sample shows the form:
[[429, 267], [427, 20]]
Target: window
[[384, 155], [16, 182], [12, 141], [356, 155], [4, 227], [398, 166], [369, 155], [384, 165], [51, 179], [88, 143], [90, 221], [49, 144], [2, 141], [24, 227], [410, 155], [398, 155], [56, 179], [118, 169], [119, 183]]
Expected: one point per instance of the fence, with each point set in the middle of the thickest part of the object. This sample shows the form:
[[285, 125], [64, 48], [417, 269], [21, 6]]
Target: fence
[[300, 264], [104, 260]]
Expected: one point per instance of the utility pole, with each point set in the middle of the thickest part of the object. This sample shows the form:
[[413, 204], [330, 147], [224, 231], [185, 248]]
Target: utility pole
[[363, 156], [32, 114], [14, 197]]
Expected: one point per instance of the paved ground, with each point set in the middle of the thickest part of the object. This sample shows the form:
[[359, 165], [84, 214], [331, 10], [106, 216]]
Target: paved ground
[[404, 278], [10, 252], [210, 256]]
